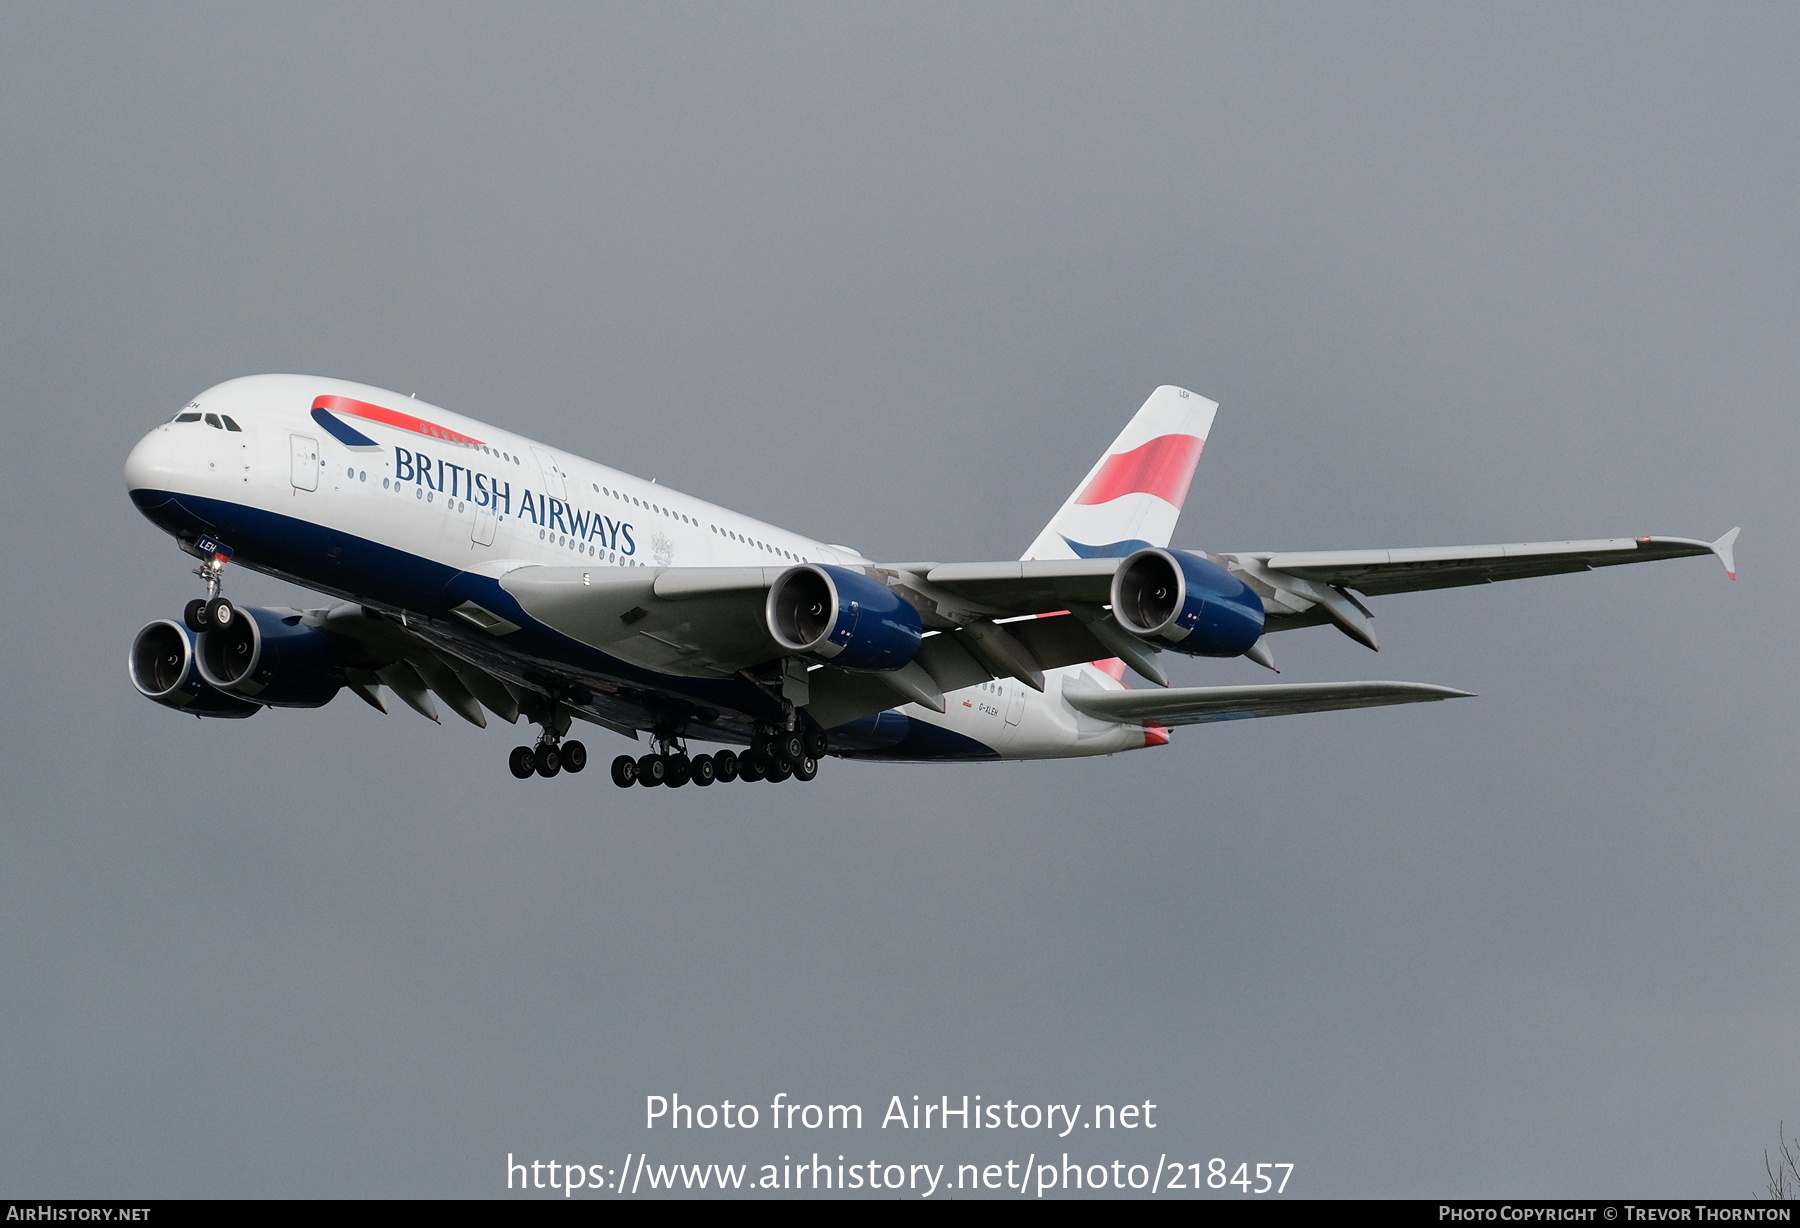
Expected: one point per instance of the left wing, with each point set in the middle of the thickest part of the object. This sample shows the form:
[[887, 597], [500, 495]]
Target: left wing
[[1299, 589], [1306, 589], [1199, 705]]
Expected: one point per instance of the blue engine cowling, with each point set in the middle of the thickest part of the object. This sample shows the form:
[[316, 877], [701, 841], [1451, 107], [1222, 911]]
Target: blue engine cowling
[[161, 665], [841, 617], [272, 657], [1186, 603]]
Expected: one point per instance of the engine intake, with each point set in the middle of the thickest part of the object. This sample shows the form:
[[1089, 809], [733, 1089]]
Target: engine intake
[[839, 616], [1186, 603], [271, 657], [161, 665]]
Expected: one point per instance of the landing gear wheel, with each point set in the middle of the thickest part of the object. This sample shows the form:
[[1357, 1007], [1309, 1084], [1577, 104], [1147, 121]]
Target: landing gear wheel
[[725, 766], [778, 772], [703, 770], [624, 771], [816, 742], [220, 613], [790, 748], [652, 770], [548, 760], [574, 756], [522, 762], [681, 770], [752, 767], [807, 768], [194, 615]]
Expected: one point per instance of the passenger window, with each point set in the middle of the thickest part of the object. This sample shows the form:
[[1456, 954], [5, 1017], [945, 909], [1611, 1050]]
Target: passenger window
[[230, 425], [212, 420]]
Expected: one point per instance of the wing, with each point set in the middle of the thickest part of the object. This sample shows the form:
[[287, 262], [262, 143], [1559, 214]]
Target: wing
[[709, 622], [1380, 572], [690, 621], [1303, 589], [1202, 705]]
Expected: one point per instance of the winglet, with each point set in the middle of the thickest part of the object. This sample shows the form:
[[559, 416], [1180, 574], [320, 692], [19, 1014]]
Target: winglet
[[1722, 548]]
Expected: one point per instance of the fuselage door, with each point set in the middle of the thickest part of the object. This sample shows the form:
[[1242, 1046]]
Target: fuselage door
[[482, 531], [305, 467], [1015, 701], [553, 474]]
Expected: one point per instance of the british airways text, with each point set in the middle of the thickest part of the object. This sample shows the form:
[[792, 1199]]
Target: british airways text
[[484, 490]]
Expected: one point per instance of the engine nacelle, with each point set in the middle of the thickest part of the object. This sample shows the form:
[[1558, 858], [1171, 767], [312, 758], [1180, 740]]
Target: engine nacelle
[[161, 665], [840, 616], [1187, 603], [271, 657]]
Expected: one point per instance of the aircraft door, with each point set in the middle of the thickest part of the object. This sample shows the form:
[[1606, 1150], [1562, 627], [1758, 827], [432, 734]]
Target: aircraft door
[[305, 468], [553, 474], [1015, 701], [482, 531]]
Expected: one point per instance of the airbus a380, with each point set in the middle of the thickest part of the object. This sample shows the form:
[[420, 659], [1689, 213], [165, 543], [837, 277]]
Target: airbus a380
[[495, 574]]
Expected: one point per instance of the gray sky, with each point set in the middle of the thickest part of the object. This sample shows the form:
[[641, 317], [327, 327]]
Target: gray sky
[[894, 277]]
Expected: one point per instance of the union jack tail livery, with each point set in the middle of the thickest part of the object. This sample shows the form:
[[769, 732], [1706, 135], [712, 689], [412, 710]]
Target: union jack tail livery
[[1132, 496]]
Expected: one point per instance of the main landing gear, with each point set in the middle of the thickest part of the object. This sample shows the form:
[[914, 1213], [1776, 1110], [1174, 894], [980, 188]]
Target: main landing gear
[[547, 758], [772, 757]]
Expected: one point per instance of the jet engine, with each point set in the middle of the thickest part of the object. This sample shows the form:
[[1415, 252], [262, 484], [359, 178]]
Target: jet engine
[[272, 657], [1187, 603], [161, 665], [841, 617]]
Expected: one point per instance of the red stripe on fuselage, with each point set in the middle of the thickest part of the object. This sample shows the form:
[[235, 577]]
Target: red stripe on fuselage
[[1163, 467], [393, 417]]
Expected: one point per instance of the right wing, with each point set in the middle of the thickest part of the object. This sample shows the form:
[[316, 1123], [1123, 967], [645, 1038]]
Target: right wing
[[1200, 705]]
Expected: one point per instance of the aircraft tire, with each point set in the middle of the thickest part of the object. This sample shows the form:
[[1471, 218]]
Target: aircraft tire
[[574, 756], [624, 771], [703, 771], [652, 770], [778, 772], [807, 768], [681, 770], [220, 613], [752, 767], [816, 742], [194, 615], [548, 760], [790, 748], [522, 762], [725, 766]]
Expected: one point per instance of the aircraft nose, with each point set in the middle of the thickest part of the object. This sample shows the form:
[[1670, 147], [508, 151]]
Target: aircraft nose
[[151, 465]]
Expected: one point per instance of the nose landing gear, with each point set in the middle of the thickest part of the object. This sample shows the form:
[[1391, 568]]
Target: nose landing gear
[[214, 609]]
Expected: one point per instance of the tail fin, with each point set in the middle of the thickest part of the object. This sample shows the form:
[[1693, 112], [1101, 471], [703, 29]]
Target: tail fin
[[1132, 496]]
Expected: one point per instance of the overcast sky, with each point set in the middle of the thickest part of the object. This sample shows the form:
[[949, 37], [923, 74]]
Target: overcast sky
[[894, 276]]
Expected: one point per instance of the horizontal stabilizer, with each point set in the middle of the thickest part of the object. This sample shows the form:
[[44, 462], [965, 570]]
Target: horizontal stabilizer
[[1202, 705]]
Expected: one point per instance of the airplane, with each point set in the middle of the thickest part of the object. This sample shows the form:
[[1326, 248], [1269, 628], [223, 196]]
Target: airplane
[[499, 575]]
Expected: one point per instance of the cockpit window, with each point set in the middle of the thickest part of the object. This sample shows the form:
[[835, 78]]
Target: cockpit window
[[212, 420], [187, 417], [230, 425]]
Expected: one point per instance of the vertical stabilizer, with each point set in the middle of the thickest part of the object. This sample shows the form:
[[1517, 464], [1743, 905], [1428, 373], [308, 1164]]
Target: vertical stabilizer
[[1132, 496]]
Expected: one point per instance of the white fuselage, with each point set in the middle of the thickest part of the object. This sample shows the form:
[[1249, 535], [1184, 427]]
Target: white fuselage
[[453, 491]]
